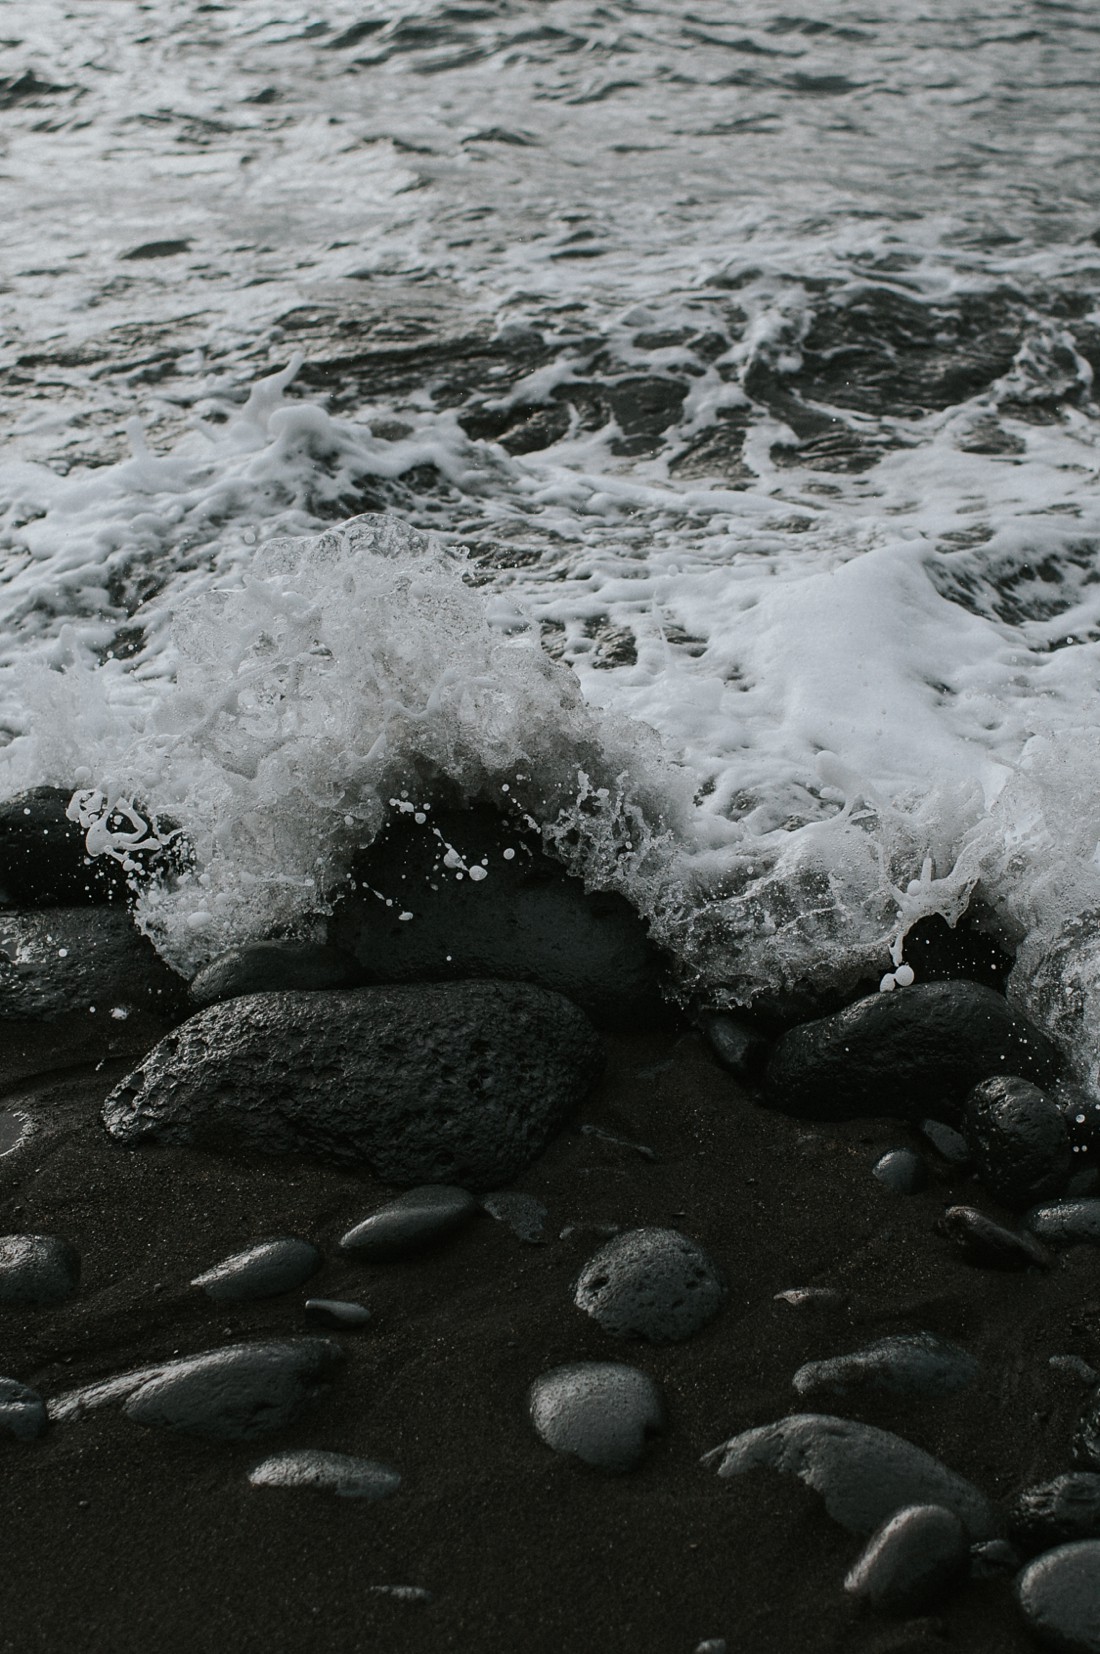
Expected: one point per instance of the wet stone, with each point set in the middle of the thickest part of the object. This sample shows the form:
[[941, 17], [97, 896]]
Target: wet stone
[[337, 1312], [901, 1171], [603, 1412], [1019, 1140], [273, 967], [656, 1284], [22, 1412], [44, 861], [344, 1474], [909, 1364], [994, 1559], [264, 1270], [1066, 1222], [864, 1475], [910, 1562], [415, 1220], [948, 1143], [738, 1044], [1057, 1512], [64, 959], [1059, 1595], [890, 1053], [235, 1393], [989, 1244], [37, 1269]]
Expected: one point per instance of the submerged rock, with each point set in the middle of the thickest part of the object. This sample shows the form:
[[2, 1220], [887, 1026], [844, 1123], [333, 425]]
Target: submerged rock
[[23, 1415], [340, 1473], [37, 1269], [273, 967], [655, 1284], [910, 1364], [410, 1223], [68, 959], [984, 1242], [265, 1270], [902, 1053], [910, 1561], [1067, 1222], [901, 1171], [1019, 1140], [863, 1474], [235, 1393], [1059, 1595], [1056, 1512], [440, 1082], [601, 1411]]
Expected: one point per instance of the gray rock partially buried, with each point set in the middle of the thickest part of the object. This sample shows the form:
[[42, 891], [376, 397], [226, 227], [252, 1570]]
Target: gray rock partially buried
[[460, 1082], [236, 1393]]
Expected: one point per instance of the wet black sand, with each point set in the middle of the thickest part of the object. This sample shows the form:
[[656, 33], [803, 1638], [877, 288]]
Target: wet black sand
[[117, 1538]]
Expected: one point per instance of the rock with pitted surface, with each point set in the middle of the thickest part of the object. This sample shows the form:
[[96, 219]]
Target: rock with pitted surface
[[1019, 1140], [235, 1393], [273, 967], [910, 1561], [44, 860], [62, 959], [410, 1223], [22, 1411], [1059, 1594], [1057, 1512], [603, 1412], [264, 1270], [37, 1269], [904, 1053], [655, 1284], [458, 1082]]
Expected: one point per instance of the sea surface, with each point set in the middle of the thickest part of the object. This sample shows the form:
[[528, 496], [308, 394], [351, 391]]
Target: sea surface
[[738, 363]]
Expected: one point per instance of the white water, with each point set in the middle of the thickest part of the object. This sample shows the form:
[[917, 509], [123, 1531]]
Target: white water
[[812, 699]]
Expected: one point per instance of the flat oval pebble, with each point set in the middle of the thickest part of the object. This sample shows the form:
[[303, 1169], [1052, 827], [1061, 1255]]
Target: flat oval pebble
[[1067, 1222], [235, 1393], [863, 1474], [908, 1364], [22, 1411], [340, 1473], [37, 1269], [910, 1561], [414, 1220], [984, 1242], [650, 1283], [261, 1271], [601, 1411], [337, 1312], [901, 1171], [1059, 1594], [1056, 1512], [1019, 1139]]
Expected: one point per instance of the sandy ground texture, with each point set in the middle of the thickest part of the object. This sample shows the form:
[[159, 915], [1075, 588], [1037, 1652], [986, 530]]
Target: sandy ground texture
[[116, 1537]]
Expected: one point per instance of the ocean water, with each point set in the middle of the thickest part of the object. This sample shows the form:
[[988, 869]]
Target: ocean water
[[710, 391]]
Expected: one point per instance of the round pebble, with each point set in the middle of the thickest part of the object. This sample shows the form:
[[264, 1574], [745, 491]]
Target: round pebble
[[1019, 1140], [650, 1283], [902, 1171], [337, 1312], [265, 1270], [37, 1269], [910, 1561], [1059, 1594], [340, 1473], [411, 1222], [1056, 1512], [603, 1412], [22, 1411]]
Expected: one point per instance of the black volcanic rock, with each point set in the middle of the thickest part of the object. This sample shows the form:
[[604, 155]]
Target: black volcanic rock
[[655, 1284], [1056, 1512], [983, 1242], [909, 1562], [1019, 1139], [63, 959], [603, 1412], [415, 1220], [430, 1083], [265, 1270], [235, 1393], [904, 1053], [37, 1269], [273, 967], [44, 860]]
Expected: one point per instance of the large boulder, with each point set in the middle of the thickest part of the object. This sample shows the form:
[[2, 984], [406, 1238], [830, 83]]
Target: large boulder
[[44, 859], [64, 959], [461, 1082], [913, 1052]]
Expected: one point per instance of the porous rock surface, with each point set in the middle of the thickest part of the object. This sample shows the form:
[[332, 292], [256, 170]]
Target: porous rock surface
[[603, 1412], [655, 1284], [903, 1053], [345, 1474], [1057, 1512], [57, 960], [909, 1363], [460, 1082]]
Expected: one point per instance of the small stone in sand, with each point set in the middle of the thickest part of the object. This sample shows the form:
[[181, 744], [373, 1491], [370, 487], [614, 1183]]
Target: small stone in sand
[[901, 1171], [1019, 1140], [984, 1242], [22, 1411], [235, 1393], [656, 1284], [524, 1215], [603, 1412], [1066, 1222], [411, 1222], [264, 1270], [337, 1312], [340, 1473], [37, 1269], [910, 1561], [1059, 1594]]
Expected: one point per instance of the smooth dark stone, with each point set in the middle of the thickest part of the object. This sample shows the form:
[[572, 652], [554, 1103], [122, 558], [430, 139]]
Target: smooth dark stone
[[1059, 1594], [1067, 1222], [37, 1269], [273, 967], [67, 959], [525, 920], [313, 1468], [601, 1411], [863, 1474], [738, 1044], [1086, 1437], [236, 1393], [410, 1223], [990, 1244], [1056, 1512], [44, 861], [438, 1082], [948, 1143], [337, 1312], [1019, 1140], [903, 1053], [910, 1561], [261, 1271], [650, 1283], [908, 1364], [22, 1411], [994, 1559], [901, 1171]]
